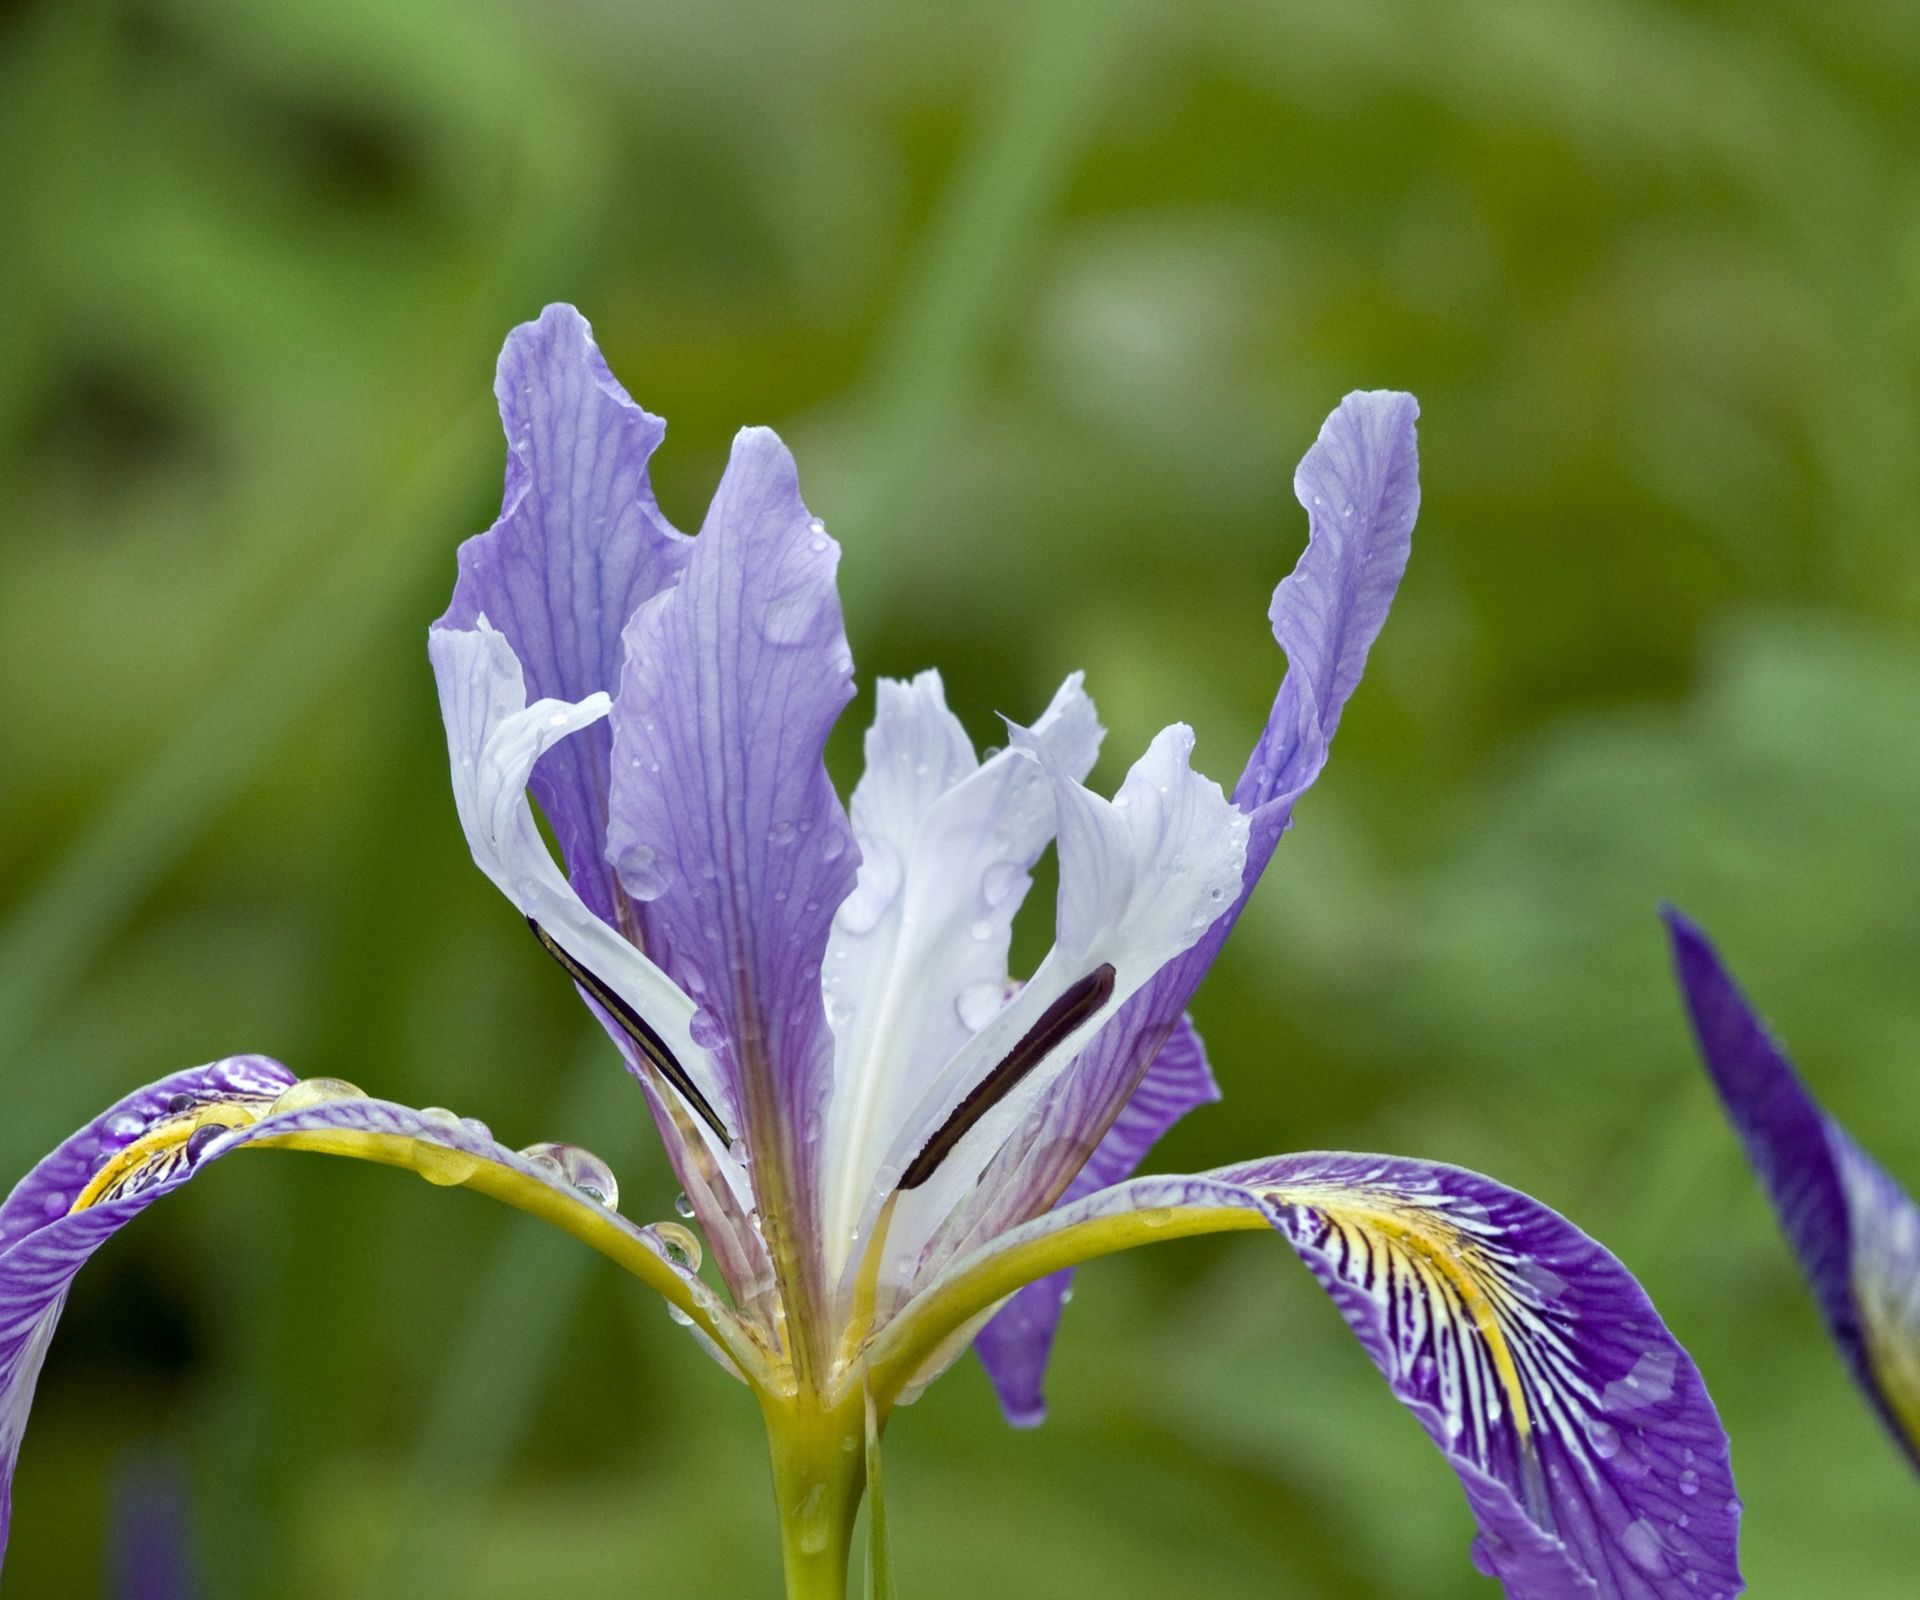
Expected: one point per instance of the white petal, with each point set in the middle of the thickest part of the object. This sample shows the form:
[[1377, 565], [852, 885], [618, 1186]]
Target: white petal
[[1141, 878], [918, 955], [494, 738]]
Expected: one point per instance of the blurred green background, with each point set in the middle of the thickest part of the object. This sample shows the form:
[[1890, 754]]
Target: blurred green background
[[1049, 298]]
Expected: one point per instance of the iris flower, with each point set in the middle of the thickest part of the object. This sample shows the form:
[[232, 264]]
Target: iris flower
[[892, 1148], [1855, 1232]]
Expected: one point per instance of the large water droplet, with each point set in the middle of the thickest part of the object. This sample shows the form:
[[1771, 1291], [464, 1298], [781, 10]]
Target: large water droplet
[[705, 1030], [790, 617], [681, 1244], [200, 1138], [1641, 1540], [310, 1092], [1001, 881], [579, 1169], [439, 1164], [641, 872]]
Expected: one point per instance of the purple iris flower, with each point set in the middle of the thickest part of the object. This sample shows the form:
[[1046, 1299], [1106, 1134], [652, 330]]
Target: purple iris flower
[[1855, 1232], [892, 1147]]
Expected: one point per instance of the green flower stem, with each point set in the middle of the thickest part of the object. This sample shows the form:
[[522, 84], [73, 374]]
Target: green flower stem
[[819, 1474], [920, 1334]]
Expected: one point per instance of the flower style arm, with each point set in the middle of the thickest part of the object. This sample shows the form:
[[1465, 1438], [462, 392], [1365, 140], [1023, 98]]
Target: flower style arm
[[1590, 1454], [1855, 1233], [158, 1138]]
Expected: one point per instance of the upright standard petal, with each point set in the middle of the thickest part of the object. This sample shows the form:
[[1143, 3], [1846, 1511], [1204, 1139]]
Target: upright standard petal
[[1580, 1430], [1360, 487], [1856, 1234], [1015, 1345], [723, 817], [579, 545], [156, 1139]]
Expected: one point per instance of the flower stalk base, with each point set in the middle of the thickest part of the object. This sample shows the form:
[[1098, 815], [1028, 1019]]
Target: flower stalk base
[[819, 1476]]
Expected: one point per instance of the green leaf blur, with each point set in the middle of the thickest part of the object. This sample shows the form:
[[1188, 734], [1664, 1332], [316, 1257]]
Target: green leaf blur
[[1049, 299]]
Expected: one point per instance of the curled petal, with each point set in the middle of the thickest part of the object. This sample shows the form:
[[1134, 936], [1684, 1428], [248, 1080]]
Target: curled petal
[[158, 1138], [1016, 1344], [723, 817], [579, 545], [495, 739], [1579, 1428], [1855, 1232]]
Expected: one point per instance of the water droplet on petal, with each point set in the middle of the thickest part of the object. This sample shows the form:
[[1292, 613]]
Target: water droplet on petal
[[1002, 881], [1689, 1482], [782, 833], [682, 1206], [978, 1003], [55, 1203], [1604, 1440], [982, 930], [579, 1169], [200, 1138], [681, 1245], [678, 1315], [1156, 1217], [705, 1029], [126, 1126], [790, 618], [1641, 1540], [310, 1092]]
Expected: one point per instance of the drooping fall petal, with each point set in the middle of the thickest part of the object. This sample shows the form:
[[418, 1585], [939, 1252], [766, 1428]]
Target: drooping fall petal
[[1855, 1232]]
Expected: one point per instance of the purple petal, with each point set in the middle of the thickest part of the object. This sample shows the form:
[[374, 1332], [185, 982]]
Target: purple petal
[[579, 545], [1360, 486], [44, 1243], [724, 819], [1856, 1234], [1583, 1436], [1016, 1344]]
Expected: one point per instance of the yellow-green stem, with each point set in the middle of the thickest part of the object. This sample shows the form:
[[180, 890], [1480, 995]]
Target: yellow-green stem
[[819, 1475]]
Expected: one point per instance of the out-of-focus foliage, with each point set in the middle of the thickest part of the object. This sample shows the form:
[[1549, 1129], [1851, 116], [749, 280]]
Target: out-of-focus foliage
[[1049, 299]]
